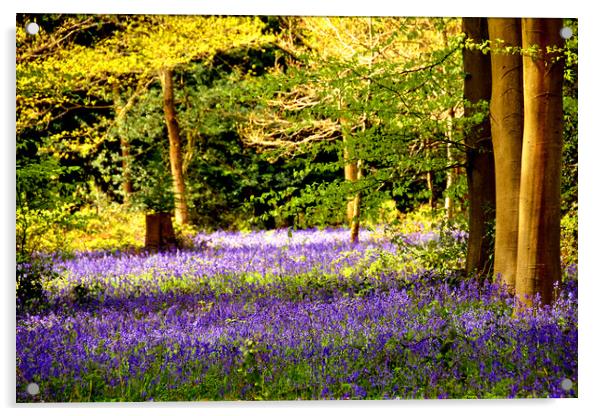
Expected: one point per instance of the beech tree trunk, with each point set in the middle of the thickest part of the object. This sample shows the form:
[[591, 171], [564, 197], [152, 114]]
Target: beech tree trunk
[[352, 174], [128, 188], [175, 146], [506, 115], [538, 260], [479, 158]]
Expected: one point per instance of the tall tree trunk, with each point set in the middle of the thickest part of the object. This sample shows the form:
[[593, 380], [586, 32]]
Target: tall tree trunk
[[506, 115], [128, 188], [538, 260], [175, 146], [479, 158]]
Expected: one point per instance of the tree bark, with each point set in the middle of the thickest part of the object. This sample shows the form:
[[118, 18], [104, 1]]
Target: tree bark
[[451, 173], [159, 232], [352, 174], [538, 260], [479, 158], [430, 184], [506, 115], [128, 188], [175, 146]]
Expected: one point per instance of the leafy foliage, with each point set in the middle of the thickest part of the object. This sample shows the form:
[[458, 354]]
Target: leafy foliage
[[32, 273], [427, 240], [570, 133], [271, 110], [569, 239], [368, 104]]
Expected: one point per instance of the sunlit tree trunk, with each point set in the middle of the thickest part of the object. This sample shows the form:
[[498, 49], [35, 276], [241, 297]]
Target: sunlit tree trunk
[[353, 167], [128, 188], [449, 182], [538, 260], [479, 158], [430, 184], [175, 146], [451, 172], [352, 174], [506, 115]]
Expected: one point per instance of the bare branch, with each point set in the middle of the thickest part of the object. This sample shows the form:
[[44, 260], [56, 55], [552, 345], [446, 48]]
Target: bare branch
[[268, 131]]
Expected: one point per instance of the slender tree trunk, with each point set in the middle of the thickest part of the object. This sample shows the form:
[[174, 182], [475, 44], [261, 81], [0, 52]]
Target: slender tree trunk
[[353, 166], [353, 206], [451, 173], [356, 204], [352, 174], [352, 171], [128, 188], [449, 183], [175, 146], [538, 261], [430, 175], [430, 184], [506, 115], [479, 158]]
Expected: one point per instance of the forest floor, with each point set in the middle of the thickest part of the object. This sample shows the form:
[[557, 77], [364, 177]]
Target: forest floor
[[285, 315]]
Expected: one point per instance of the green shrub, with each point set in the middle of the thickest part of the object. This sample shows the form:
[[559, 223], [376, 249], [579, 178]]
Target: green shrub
[[31, 273], [569, 238], [111, 227], [426, 240]]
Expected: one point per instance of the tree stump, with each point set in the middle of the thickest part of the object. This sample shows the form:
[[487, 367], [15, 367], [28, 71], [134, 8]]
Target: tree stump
[[159, 232]]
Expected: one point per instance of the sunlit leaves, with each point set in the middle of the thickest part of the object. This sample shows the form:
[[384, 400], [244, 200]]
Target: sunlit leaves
[[140, 46], [386, 85]]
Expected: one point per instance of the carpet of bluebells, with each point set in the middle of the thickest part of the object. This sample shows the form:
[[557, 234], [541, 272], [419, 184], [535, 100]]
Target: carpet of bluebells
[[283, 315]]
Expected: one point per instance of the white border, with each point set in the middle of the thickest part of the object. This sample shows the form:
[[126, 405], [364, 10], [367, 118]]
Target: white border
[[590, 370], [309, 7]]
